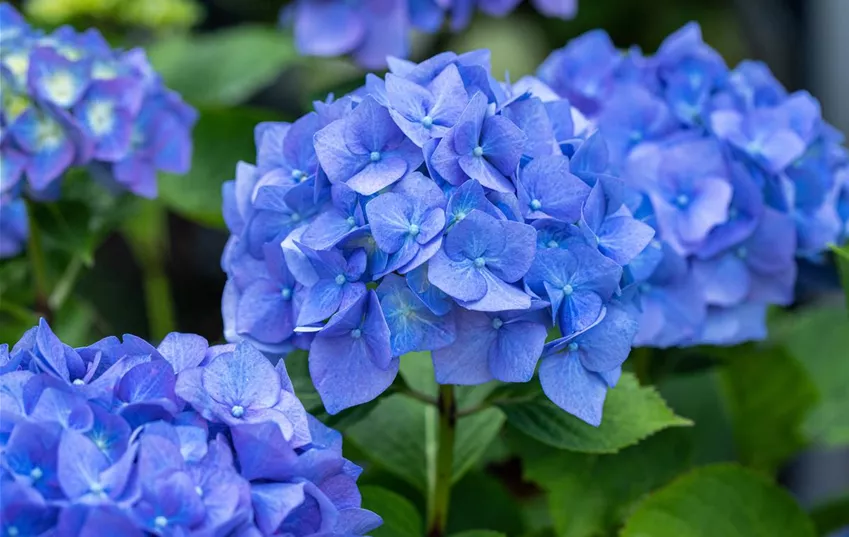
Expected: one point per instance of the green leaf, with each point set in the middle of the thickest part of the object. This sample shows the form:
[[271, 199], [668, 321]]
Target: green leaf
[[841, 259], [400, 517], [297, 366], [719, 500], [225, 67], [482, 502], [819, 340], [222, 138], [631, 413], [478, 533], [589, 494], [401, 431], [832, 515], [768, 394]]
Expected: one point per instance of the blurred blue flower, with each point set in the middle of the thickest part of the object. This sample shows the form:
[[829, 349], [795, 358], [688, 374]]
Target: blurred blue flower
[[464, 217], [70, 100], [736, 175], [123, 438]]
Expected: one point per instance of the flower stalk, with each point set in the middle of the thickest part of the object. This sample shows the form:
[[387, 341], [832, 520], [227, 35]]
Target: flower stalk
[[440, 493]]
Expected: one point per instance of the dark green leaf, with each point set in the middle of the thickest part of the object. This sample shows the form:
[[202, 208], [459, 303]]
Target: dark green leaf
[[768, 394], [590, 494], [400, 517], [222, 138], [474, 434], [719, 500], [297, 366], [832, 515], [478, 533], [819, 340], [479, 501], [631, 413], [222, 68], [841, 259]]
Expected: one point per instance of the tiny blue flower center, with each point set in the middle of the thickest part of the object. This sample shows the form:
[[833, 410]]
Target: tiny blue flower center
[[356, 333], [497, 323], [480, 262], [12, 531], [536, 205], [340, 279], [567, 289], [552, 244], [351, 221], [198, 491], [295, 217], [286, 293], [477, 151], [427, 122], [96, 488], [656, 244], [36, 473], [78, 382], [645, 287], [682, 200], [733, 213], [742, 252], [414, 229], [237, 411], [573, 347], [297, 174], [160, 521], [459, 216], [374, 156]]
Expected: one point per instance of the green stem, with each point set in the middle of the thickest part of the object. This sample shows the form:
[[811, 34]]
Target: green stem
[[641, 358], [440, 493], [39, 267], [66, 283], [147, 235]]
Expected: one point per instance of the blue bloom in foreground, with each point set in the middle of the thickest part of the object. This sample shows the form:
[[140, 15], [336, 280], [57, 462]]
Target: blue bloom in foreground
[[737, 176], [371, 30], [123, 438], [70, 100], [444, 212]]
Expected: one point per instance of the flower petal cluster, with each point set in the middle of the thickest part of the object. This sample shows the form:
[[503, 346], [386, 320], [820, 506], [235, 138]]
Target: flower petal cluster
[[436, 210], [123, 438], [68, 99], [371, 30], [737, 176]]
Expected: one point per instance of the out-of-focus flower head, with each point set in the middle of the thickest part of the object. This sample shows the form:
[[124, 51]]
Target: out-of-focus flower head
[[68, 99], [123, 438], [737, 176], [436, 210], [371, 30]]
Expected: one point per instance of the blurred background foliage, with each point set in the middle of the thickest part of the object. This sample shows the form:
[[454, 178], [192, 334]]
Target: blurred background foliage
[[230, 59]]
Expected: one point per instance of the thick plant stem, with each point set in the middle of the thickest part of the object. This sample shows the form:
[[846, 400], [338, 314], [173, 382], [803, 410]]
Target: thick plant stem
[[147, 235], [441, 489], [38, 263]]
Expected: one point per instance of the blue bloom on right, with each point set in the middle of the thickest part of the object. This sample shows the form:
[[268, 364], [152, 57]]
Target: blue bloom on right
[[737, 176]]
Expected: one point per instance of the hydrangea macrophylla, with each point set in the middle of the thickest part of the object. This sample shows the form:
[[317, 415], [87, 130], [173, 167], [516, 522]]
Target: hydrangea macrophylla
[[737, 177], [13, 227], [70, 100], [444, 212], [371, 30], [124, 438]]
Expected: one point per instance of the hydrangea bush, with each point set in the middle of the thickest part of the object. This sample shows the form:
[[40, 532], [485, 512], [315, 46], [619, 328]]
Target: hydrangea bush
[[737, 176], [68, 99], [371, 30], [123, 438], [436, 210]]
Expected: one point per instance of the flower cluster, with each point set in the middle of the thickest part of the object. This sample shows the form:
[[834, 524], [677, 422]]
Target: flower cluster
[[371, 30], [68, 99], [436, 210], [123, 438], [737, 176]]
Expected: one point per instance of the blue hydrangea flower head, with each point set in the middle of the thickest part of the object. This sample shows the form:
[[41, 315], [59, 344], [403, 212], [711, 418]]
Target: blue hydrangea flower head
[[124, 438], [736, 175], [434, 210], [70, 100], [371, 30]]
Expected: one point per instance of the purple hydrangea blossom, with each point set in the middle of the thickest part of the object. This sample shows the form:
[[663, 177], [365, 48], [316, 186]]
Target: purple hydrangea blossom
[[737, 176], [71, 100], [123, 438], [371, 30], [442, 212]]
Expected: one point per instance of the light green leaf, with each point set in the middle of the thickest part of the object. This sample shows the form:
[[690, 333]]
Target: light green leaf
[[400, 517], [225, 67], [819, 340], [719, 500], [631, 413], [768, 395], [222, 138], [474, 434], [478, 533]]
